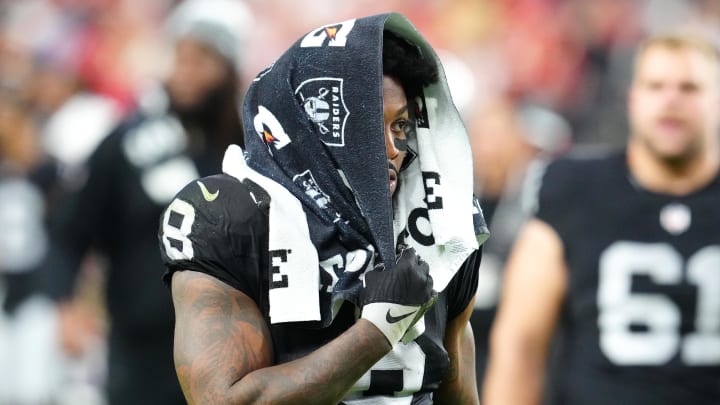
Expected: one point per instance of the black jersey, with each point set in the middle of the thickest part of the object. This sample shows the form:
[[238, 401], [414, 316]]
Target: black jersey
[[215, 226], [641, 319]]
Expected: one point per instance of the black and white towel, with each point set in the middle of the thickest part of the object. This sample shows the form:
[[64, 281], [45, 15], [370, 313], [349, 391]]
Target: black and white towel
[[315, 142]]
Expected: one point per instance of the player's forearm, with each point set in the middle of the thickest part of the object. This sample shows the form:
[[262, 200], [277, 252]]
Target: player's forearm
[[459, 385], [513, 378], [322, 377], [223, 351]]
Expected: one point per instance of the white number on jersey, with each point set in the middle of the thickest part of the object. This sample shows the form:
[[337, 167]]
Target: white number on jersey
[[177, 224], [399, 373], [619, 307]]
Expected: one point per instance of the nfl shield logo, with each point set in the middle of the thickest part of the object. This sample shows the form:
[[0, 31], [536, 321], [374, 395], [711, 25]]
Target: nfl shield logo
[[675, 218]]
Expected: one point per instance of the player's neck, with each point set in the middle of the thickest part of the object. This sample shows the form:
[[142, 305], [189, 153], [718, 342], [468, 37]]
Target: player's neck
[[656, 175]]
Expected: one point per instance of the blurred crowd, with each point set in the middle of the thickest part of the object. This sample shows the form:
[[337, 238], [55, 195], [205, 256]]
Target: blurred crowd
[[533, 78]]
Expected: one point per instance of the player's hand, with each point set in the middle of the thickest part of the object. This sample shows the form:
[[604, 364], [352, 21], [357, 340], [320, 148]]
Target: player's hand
[[78, 327], [394, 300]]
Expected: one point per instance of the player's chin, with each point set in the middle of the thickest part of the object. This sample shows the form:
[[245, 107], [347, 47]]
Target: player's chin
[[677, 151]]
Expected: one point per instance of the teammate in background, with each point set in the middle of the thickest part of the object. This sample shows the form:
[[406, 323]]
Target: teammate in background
[[310, 286], [623, 256], [132, 175]]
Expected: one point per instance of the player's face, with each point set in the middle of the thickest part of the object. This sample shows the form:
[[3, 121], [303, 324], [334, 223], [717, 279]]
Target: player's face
[[197, 72], [674, 102], [395, 106]]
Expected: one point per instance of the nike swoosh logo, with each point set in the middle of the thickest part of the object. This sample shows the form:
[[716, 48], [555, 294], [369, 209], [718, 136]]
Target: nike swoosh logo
[[393, 319], [209, 197]]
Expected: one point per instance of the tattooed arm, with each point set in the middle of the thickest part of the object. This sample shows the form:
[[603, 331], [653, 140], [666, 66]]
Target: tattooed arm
[[459, 385], [223, 351]]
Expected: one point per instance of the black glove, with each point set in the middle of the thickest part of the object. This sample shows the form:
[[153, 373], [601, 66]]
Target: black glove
[[394, 300]]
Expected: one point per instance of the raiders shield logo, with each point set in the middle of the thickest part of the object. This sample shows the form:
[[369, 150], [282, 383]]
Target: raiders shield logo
[[322, 99], [307, 182]]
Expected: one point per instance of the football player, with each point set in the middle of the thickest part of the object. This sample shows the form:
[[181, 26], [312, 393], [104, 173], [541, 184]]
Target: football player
[[622, 259], [385, 342]]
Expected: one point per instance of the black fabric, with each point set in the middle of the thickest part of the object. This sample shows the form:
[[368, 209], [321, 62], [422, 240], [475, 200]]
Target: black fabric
[[616, 232], [464, 285]]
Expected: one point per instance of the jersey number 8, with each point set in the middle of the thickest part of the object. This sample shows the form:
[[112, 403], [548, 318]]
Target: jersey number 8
[[177, 224]]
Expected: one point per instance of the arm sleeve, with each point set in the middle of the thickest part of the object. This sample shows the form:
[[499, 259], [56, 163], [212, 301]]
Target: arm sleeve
[[213, 226], [463, 286]]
